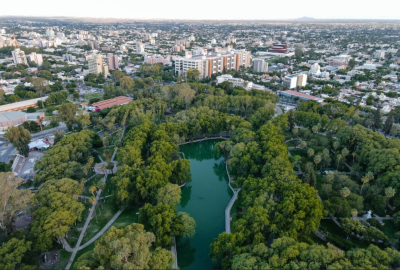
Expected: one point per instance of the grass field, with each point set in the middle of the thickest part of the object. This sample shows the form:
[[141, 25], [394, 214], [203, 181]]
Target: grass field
[[389, 229], [298, 152]]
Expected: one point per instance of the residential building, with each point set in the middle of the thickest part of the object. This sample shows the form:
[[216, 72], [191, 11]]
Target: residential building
[[211, 64], [294, 80], [19, 57], [380, 54], [113, 62], [315, 69], [49, 32], [155, 59], [259, 65], [97, 65], [69, 57], [235, 81], [36, 58], [139, 47]]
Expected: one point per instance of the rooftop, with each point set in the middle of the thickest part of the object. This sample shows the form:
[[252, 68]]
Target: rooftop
[[121, 100], [298, 94]]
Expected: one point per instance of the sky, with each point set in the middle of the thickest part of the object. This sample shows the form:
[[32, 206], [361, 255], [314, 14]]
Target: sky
[[205, 9]]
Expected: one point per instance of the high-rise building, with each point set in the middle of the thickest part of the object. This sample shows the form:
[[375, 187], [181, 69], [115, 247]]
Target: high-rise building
[[19, 57], [36, 58], [69, 57], [49, 32], [294, 80], [208, 65], [315, 69], [112, 61], [97, 65], [259, 65], [139, 47], [379, 54]]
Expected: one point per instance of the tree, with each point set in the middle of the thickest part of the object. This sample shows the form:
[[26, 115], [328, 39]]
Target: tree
[[12, 199], [12, 253], [82, 119], [67, 114], [317, 160], [291, 120], [303, 144], [352, 63], [309, 175], [193, 74], [298, 52], [170, 194], [41, 87], [310, 152], [163, 221], [344, 192], [389, 192], [377, 121], [365, 179], [126, 248], [118, 74], [387, 127], [57, 208], [20, 138], [127, 83]]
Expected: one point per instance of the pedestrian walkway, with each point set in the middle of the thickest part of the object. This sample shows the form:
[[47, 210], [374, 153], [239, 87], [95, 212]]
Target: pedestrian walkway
[[232, 201], [78, 244], [108, 225]]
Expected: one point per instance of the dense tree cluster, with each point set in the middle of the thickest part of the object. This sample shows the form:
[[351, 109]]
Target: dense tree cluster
[[61, 161]]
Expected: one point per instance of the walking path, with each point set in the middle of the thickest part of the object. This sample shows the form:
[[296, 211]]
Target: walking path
[[173, 250], [78, 244], [229, 207], [109, 223], [206, 139]]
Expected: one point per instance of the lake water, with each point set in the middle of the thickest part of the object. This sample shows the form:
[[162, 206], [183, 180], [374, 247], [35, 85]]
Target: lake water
[[205, 199]]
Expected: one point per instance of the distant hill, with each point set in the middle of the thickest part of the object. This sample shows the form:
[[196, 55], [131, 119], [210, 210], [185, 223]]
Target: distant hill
[[305, 19]]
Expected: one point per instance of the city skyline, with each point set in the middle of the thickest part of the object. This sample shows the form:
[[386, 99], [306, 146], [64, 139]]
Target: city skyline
[[209, 10]]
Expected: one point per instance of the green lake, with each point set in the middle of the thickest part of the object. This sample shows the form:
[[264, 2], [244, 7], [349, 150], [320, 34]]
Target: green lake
[[205, 199]]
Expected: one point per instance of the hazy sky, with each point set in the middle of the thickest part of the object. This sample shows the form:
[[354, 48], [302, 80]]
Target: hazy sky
[[206, 9]]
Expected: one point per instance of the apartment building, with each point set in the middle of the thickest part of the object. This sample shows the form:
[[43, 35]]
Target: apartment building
[[211, 64], [113, 62], [259, 65], [35, 58], [294, 80], [139, 47], [97, 65], [19, 57]]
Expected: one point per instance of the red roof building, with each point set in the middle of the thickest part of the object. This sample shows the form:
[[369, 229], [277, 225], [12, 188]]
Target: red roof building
[[121, 100]]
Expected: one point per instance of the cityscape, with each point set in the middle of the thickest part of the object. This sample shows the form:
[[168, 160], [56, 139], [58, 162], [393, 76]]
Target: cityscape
[[179, 142]]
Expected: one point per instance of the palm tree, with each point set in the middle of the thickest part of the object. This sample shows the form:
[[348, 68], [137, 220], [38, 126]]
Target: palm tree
[[310, 152], [303, 144], [389, 192], [92, 200], [339, 157], [102, 186], [92, 189], [345, 192], [317, 159], [103, 168], [329, 176], [354, 155], [368, 177]]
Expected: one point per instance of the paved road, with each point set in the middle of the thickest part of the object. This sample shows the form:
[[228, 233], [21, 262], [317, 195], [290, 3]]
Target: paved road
[[6, 151]]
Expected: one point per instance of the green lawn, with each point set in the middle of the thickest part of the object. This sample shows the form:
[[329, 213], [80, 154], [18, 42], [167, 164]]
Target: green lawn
[[292, 143], [389, 228], [298, 152], [101, 151], [104, 212]]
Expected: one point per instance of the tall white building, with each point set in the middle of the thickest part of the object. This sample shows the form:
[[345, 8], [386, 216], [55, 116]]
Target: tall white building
[[315, 69], [379, 54], [294, 80], [211, 64], [36, 58], [139, 47], [259, 65], [19, 57], [49, 32], [97, 65]]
